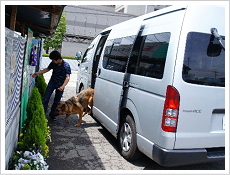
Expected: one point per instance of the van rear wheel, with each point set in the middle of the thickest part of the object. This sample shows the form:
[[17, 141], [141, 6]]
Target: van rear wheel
[[127, 139]]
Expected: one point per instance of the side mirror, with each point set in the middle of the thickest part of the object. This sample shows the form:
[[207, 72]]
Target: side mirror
[[213, 50], [78, 54]]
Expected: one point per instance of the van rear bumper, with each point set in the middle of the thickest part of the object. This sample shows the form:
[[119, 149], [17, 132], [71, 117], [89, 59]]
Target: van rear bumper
[[168, 158]]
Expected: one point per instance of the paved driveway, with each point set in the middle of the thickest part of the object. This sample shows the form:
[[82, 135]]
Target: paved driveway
[[91, 147]]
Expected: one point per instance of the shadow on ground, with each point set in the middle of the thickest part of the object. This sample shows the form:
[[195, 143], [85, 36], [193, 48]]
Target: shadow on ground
[[71, 147], [149, 164]]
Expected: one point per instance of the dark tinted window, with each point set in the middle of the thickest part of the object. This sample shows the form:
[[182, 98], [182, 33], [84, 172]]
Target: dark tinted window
[[149, 54], [107, 52], [117, 53], [136, 52], [199, 68]]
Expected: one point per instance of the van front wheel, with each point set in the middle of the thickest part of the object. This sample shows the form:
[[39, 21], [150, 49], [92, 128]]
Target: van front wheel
[[127, 139]]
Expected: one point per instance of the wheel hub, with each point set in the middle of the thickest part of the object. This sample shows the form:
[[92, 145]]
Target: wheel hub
[[126, 137]]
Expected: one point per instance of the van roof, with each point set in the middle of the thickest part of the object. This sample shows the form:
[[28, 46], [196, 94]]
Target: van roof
[[151, 14]]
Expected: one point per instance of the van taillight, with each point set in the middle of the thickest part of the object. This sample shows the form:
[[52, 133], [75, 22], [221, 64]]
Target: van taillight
[[171, 110]]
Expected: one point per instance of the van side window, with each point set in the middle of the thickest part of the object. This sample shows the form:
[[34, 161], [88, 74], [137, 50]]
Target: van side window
[[200, 68], [136, 52], [149, 55], [117, 53], [108, 48], [88, 54]]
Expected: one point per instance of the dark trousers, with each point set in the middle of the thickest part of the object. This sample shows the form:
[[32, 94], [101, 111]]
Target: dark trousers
[[58, 94]]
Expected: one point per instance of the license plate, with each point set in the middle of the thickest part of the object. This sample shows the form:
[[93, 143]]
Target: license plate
[[223, 122]]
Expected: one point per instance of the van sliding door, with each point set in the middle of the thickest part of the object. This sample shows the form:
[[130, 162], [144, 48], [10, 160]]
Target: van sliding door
[[111, 72]]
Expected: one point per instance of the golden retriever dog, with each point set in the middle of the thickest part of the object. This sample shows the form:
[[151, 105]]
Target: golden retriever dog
[[80, 104]]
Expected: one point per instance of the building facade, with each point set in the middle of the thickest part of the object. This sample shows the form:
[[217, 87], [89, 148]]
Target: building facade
[[138, 9], [84, 22]]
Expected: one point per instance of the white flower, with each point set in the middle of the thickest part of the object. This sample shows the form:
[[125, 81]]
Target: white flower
[[37, 167], [39, 157], [27, 153], [17, 167], [35, 162], [45, 167], [31, 159], [23, 161], [20, 160]]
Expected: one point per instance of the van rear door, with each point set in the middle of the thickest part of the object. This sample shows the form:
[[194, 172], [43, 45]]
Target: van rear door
[[200, 80]]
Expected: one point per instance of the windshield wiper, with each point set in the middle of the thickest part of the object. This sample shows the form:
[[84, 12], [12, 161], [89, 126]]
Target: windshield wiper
[[218, 37]]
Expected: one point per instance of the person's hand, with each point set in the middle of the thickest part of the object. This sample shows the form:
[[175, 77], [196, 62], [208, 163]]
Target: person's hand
[[61, 88], [35, 75]]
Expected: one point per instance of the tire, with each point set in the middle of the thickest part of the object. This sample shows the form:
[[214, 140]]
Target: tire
[[127, 139]]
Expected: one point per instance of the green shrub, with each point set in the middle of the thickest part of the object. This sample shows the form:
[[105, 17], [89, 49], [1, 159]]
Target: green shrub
[[33, 101], [63, 56], [36, 128], [45, 55], [36, 132], [41, 85], [34, 137]]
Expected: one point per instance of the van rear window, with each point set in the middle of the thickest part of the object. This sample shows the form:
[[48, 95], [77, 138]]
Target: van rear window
[[201, 66]]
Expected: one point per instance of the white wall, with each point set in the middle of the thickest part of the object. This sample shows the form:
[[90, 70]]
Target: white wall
[[45, 61], [71, 48]]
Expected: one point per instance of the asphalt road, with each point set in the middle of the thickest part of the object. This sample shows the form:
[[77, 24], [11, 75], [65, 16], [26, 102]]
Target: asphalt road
[[91, 147]]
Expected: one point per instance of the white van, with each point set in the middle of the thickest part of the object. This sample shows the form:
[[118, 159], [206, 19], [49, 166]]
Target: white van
[[159, 83]]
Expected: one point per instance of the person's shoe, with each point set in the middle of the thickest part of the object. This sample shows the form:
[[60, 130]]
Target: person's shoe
[[53, 118]]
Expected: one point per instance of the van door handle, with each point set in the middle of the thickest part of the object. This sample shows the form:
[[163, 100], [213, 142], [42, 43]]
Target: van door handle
[[126, 84], [86, 69]]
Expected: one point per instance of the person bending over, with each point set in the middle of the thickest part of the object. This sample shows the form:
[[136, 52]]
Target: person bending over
[[59, 79]]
